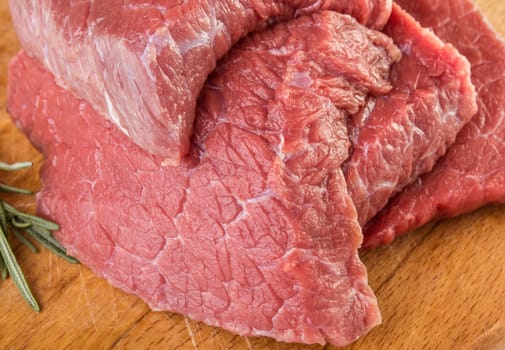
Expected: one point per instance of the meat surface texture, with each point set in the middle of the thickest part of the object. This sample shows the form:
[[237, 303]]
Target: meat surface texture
[[255, 232], [143, 64], [472, 173], [401, 135]]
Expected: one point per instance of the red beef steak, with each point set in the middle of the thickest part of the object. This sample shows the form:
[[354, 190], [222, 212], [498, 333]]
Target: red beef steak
[[472, 173], [255, 232], [142, 64], [259, 216], [402, 134]]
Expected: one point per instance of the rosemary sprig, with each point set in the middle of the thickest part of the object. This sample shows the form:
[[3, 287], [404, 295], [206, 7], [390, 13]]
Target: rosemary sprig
[[15, 166], [15, 271], [10, 189], [18, 222]]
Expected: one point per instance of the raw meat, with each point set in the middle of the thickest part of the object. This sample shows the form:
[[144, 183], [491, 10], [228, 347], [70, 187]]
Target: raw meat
[[143, 64], [254, 232], [402, 134], [472, 173]]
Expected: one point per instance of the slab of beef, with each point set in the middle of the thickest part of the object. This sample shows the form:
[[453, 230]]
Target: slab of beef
[[472, 174], [254, 232], [401, 135], [143, 64]]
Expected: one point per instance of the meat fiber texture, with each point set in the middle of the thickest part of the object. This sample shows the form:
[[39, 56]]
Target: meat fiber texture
[[402, 134], [143, 64], [256, 160], [472, 173], [255, 232]]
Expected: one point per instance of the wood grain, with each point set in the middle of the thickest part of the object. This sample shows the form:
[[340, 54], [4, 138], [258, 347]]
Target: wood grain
[[442, 287]]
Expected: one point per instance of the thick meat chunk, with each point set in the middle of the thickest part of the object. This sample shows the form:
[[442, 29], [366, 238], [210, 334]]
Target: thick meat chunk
[[255, 232], [143, 64], [401, 135], [472, 173]]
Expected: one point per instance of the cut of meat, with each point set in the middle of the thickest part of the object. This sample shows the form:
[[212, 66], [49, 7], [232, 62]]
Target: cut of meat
[[254, 232], [228, 245], [401, 135], [472, 173], [258, 217], [143, 64]]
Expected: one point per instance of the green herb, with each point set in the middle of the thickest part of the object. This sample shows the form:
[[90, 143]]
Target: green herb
[[20, 224], [15, 166]]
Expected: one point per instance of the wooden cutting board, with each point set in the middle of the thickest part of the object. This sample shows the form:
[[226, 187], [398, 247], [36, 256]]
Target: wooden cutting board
[[442, 287]]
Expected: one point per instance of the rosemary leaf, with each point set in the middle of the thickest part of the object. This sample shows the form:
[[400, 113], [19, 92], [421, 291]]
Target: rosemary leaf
[[35, 220], [47, 236], [24, 240], [15, 272], [3, 217], [16, 190], [3, 226], [15, 166], [20, 224], [50, 243], [3, 268]]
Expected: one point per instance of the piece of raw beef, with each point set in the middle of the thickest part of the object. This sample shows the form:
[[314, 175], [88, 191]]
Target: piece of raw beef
[[472, 173], [264, 174], [402, 134], [254, 232], [143, 64]]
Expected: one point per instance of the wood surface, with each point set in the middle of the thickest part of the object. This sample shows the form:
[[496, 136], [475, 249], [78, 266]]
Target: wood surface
[[442, 287]]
